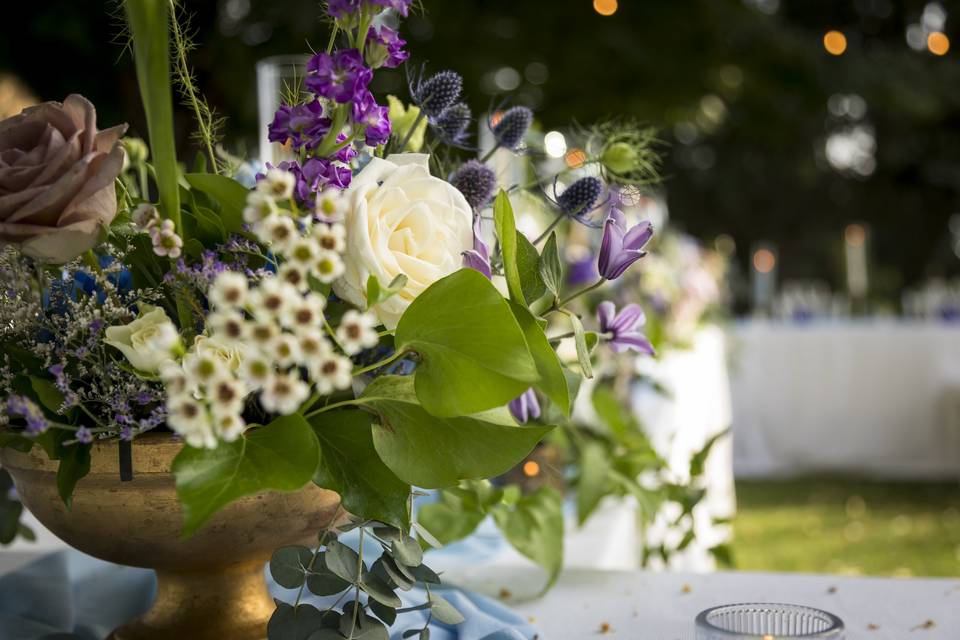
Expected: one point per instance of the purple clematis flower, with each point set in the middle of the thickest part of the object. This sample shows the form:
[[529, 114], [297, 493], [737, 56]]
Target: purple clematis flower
[[622, 330], [385, 48], [478, 258], [525, 407], [621, 247], [302, 125], [374, 118], [341, 76]]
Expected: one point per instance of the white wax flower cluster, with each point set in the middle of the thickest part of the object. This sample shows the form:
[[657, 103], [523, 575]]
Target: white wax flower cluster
[[266, 335]]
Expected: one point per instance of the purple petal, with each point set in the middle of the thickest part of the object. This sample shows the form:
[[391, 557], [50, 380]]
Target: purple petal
[[638, 236], [630, 317], [606, 312], [632, 341], [473, 259]]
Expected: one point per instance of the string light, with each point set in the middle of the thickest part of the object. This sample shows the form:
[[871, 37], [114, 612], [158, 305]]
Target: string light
[[938, 43], [605, 7], [835, 42], [531, 468], [764, 261], [575, 158]]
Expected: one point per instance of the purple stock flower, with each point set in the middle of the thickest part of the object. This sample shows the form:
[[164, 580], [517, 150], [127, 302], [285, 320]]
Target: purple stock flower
[[302, 125], [374, 118], [525, 407], [385, 48], [315, 174], [341, 76], [621, 247], [478, 258], [622, 330], [342, 8], [84, 435]]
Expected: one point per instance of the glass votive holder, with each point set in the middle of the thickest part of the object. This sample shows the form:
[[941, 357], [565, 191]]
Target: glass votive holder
[[764, 621]]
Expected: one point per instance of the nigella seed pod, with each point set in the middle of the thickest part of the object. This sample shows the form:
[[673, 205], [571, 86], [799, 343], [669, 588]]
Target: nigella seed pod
[[581, 196], [453, 122], [438, 93], [476, 181], [512, 127]]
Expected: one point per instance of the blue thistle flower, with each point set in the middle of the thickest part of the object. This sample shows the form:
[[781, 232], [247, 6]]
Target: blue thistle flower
[[437, 93], [581, 196], [452, 124], [476, 181], [512, 127]]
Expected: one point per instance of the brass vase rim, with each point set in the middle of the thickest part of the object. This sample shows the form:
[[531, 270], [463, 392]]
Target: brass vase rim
[[153, 453]]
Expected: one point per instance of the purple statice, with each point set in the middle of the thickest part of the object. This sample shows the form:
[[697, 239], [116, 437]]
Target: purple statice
[[62, 383], [476, 181], [525, 407], [303, 125], [84, 435], [373, 118], [621, 247], [340, 76], [622, 330], [27, 409], [385, 48]]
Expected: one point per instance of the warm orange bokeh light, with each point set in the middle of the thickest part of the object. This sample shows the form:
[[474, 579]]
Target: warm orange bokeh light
[[855, 235], [531, 468], [938, 43], [605, 7], [496, 118], [764, 261], [835, 42], [575, 158]]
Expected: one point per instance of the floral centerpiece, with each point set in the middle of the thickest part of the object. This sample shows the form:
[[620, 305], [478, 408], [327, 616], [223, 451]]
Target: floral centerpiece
[[352, 322]]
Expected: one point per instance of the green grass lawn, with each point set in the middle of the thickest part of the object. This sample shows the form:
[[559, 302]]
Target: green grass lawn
[[839, 526]]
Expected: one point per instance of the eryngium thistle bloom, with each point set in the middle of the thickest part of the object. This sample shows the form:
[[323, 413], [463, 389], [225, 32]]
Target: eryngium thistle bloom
[[437, 93], [476, 181], [581, 196], [452, 123], [512, 127]]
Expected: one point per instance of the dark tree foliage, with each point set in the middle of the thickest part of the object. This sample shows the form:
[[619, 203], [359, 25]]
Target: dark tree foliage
[[756, 85]]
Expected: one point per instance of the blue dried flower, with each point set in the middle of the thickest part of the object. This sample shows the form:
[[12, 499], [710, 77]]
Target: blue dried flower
[[452, 124], [581, 196], [512, 127], [476, 181], [437, 93]]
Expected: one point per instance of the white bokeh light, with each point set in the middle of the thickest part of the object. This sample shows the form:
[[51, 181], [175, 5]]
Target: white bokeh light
[[555, 144]]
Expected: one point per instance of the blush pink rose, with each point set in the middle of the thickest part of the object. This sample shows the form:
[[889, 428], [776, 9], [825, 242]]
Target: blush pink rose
[[57, 177]]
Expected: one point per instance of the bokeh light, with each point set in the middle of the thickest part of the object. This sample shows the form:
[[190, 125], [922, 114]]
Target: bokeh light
[[835, 42], [555, 144], [764, 261], [575, 158], [854, 235], [605, 7], [938, 43], [531, 468]]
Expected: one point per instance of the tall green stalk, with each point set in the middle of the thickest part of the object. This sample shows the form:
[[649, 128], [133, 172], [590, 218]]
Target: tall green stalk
[[149, 29]]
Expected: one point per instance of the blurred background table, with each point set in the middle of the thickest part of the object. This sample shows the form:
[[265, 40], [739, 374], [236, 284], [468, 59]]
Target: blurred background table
[[871, 397]]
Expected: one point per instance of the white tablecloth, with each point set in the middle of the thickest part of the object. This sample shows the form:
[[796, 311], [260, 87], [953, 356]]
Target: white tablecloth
[[872, 397], [662, 606]]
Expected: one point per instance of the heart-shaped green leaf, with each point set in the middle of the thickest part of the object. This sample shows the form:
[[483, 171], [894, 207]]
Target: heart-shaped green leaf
[[282, 456], [473, 355], [350, 466], [552, 381], [429, 451]]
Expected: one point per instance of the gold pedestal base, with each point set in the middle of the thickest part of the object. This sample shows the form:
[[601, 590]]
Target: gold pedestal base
[[210, 586]]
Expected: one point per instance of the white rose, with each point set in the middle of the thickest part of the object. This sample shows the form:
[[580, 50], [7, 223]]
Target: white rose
[[148, 342], [230, 356], [402, 220]]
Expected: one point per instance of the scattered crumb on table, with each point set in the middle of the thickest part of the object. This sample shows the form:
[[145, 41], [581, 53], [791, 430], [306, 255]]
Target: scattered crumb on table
[[832, 590], [872, 627], [505, 593], [605, 627], [927, 624], [686, 588]]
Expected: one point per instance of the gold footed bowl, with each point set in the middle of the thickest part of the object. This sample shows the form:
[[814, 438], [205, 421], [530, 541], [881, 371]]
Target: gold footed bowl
[[210, 586]]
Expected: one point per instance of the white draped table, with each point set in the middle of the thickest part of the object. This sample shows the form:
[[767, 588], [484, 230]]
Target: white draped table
[[639, 605], [874, 397]]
